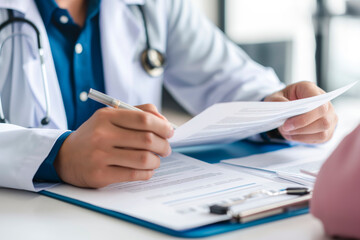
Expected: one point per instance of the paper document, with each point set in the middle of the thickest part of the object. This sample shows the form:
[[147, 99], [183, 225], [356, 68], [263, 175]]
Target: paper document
[[179, 194], [232, 121], [299, 164]]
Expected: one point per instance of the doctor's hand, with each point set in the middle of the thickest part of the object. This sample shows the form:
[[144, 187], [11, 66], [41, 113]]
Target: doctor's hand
[[316, 126], [114, 145]]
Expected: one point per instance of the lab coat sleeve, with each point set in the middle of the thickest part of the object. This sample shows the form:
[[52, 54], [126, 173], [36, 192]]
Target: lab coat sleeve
[[204, 67], [22, 152]]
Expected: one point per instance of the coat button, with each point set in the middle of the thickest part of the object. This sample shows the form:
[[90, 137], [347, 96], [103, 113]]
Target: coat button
[[83, 96], [64, 19], [78, 48]]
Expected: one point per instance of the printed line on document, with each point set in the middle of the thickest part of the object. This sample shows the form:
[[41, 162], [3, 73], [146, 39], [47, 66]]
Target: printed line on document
[[207, 194]]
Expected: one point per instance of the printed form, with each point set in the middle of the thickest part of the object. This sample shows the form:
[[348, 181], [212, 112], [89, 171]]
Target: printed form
[[232, 121], [299, 163], [179, 194]]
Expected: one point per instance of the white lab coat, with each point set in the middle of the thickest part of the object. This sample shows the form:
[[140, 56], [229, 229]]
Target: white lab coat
[[202, 68]]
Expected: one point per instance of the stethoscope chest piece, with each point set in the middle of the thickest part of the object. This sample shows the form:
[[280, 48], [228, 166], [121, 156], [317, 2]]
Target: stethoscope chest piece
[[153, 62]]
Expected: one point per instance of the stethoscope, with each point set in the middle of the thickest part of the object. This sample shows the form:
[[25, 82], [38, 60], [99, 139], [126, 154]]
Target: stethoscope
[[46, 119], [152, 60]]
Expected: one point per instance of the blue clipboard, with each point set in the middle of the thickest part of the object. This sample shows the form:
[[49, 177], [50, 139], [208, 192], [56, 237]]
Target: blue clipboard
[[211, 154]]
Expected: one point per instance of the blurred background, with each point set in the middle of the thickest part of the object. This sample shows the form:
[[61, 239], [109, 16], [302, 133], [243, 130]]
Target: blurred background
[[313, 40]]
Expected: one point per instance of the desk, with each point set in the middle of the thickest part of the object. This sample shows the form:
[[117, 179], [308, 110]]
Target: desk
[[26, 215]]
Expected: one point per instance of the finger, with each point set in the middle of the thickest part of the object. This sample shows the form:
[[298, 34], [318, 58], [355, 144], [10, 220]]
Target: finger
[[151, 109], [137, 120], [279, 98], [136, 159], [113, 174], [310, 138], [141, 140], [306, 89], [320, 125], [276, 97], [305, 119]]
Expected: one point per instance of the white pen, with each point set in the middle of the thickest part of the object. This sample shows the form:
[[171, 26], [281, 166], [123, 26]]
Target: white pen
[[115, 103]]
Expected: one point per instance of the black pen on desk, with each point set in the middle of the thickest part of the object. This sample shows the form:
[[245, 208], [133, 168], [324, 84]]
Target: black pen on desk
[[113, 102]]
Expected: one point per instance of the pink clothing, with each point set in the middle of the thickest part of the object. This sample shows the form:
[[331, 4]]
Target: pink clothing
[[336, 198]]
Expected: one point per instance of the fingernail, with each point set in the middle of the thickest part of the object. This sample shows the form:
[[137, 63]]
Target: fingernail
[[171, 133], [288, 127]]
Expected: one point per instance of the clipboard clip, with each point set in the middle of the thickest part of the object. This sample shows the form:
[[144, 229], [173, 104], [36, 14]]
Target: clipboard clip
[[267, 210]]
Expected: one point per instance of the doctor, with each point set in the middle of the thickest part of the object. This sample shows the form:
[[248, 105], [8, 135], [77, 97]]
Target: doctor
[[99, 44]]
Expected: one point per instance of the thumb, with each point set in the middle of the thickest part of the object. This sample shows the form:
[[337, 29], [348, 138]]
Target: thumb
[[307, 89]]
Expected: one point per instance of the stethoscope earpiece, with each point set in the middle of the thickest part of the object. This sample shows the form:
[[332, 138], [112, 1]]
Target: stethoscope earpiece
[[153, 62]]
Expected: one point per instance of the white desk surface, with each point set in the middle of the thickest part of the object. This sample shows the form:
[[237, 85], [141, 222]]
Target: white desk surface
[[26, 215]]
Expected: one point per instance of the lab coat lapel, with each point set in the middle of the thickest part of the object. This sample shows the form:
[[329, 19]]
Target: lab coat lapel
[[33, 73], [120, 32]]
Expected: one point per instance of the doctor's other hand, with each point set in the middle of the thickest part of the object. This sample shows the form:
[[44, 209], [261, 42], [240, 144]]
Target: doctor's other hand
[[316, 126], [114, 145]]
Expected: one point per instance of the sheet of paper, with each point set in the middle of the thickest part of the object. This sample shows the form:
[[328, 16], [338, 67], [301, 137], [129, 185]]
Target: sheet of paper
[[289, 163], [229, 122], [179, 194]]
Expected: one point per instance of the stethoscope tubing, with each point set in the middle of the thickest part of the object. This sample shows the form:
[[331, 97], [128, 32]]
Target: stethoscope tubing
[[152, 60], [12, 20]]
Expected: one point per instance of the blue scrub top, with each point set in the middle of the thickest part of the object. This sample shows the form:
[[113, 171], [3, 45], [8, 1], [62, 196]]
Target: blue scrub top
[[78, 62], [77, 56]]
